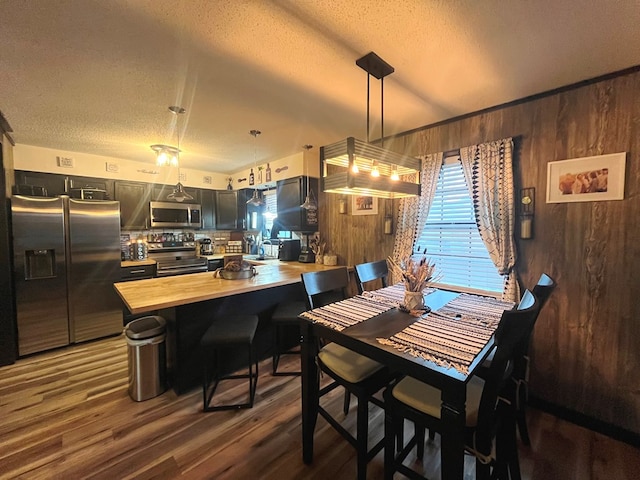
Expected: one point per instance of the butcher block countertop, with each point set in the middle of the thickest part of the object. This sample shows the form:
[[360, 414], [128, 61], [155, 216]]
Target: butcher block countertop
[[137, 263], [142, 296]]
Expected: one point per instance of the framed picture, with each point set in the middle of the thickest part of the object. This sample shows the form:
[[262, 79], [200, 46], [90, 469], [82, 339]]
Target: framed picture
[[364, 205], [588, 179]]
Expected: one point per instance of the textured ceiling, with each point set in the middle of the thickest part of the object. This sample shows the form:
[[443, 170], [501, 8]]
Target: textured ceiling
[[97, 76]]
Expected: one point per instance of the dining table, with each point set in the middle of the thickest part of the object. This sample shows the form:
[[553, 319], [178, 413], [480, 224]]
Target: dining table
[[441, 346]]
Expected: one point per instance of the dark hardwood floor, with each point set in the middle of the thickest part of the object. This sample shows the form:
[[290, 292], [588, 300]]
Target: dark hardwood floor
[[66, 414]]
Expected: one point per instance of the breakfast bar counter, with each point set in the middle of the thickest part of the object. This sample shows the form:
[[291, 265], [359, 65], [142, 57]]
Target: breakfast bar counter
[[191, 303], [157, 293]]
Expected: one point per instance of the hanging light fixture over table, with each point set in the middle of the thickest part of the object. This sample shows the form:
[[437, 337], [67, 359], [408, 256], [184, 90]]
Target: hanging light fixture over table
[[360, 168], [255, 199]]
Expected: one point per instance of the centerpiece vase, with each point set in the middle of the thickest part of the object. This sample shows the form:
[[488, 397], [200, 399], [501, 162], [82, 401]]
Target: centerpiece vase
[[413, 300]]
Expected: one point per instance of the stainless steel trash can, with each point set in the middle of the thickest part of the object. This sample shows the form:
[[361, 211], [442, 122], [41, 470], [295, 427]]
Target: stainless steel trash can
[[146, 352]]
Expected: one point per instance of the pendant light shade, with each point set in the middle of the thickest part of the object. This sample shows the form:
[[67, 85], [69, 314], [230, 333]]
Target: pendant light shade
[[256, 199], [167, 155], [351, 151], [178, 194], [309, 201], [354, 167]]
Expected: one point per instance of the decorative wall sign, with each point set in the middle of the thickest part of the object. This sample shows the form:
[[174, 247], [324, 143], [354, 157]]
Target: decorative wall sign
[[587, 179], [364, 205]]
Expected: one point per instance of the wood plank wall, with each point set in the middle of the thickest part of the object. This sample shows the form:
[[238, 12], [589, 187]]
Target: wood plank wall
[[586, 345]]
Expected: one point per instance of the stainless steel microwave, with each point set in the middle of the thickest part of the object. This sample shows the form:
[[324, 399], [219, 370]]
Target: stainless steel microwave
[[169, 214]]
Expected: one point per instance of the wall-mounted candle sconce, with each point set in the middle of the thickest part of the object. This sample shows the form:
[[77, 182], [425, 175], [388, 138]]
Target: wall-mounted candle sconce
[[388, 217], [527, 211], [342, 205]]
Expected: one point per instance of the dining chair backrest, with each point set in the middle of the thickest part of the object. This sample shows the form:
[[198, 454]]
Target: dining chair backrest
[[543, 288], [514, 327], [367, 272], [325, 286], [527, 300]]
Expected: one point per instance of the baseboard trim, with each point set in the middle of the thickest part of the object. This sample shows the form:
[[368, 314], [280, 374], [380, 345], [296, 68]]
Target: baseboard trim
[[608, 429]]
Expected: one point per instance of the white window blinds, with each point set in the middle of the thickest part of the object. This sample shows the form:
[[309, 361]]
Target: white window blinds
[[451, 237]]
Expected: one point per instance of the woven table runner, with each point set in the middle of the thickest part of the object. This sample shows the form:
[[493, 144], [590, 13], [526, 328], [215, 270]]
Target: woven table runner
[[354, 310], [347, 313], [393, 295], [453, 335]]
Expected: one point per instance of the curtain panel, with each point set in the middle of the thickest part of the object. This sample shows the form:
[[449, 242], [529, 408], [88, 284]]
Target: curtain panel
[[488, 170], [413, 212]]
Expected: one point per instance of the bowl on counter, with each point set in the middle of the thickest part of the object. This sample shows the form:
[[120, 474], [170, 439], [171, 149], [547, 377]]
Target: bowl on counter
[[242, 274]]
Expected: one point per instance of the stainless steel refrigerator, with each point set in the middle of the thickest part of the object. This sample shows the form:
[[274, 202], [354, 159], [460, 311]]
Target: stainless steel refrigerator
[[66, 259]]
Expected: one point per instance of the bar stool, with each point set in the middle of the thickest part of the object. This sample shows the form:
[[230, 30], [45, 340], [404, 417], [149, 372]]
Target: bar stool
[[232, 332], [285, 317]]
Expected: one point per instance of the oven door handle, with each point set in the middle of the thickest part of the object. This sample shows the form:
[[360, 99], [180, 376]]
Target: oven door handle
[[176, 269]]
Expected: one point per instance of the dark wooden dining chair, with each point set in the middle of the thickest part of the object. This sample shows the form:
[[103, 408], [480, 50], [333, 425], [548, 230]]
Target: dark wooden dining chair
[[542, 291], [520, 375], [488, 419], [368, 272], [359, 375]]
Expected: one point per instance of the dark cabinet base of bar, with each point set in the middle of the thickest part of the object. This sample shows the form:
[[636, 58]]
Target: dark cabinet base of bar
[[187, 323]]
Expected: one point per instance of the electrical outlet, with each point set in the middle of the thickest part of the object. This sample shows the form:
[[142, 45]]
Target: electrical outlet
[[207, 180], [112, 167], [182, 177], [66, 162]]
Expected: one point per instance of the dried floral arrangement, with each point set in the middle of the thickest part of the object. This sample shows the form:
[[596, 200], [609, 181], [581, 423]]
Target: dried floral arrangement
[[317, 245], [416, 274]]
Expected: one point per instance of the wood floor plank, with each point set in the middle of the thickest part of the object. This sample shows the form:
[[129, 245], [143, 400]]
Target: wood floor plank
[[66, 414]]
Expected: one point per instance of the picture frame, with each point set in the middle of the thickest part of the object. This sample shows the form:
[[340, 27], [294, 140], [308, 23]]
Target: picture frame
[[587, 179], [364, 205]]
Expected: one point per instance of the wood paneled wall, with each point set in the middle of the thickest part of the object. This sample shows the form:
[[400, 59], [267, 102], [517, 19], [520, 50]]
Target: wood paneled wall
[[586, 344]]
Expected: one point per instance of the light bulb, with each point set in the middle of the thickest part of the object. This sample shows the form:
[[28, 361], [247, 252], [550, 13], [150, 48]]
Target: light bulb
[[394, 173], [354, 168], [375, 172], [174, 160], [161, 159]]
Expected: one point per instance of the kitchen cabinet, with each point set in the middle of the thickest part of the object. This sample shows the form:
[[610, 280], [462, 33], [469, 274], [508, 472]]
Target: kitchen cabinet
[[138, 272], [291, 193], [230, 210], [56, 184], [134, 200], [92, 183], [208, 209], [159, 193], [53, 183]]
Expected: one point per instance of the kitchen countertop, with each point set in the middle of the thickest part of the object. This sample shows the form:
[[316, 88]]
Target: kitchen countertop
[[137, 263], [142, 296]]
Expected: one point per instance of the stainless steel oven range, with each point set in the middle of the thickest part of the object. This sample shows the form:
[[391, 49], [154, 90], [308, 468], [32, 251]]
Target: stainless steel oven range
[[176, 258]]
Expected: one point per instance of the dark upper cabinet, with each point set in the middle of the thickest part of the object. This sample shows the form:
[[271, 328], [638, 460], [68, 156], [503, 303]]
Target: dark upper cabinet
[[55, 184], [208, 207], [229, 213], [134, 204], [291, 193], [50, 184], [91, 183], [159, 193]]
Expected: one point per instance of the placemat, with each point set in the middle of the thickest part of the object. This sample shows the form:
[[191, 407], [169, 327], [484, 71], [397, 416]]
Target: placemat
[[347, 313], [453, 335]]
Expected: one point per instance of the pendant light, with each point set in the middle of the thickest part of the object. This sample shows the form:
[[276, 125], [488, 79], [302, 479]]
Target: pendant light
[[255, 200], [178, 194], [354, 167], [309, 201]]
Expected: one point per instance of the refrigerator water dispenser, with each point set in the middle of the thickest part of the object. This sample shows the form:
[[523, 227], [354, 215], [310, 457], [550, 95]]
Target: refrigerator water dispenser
[[40, 264]]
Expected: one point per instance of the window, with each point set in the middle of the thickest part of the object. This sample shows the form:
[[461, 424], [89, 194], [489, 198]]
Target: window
[[270, 210], [451, 237]]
